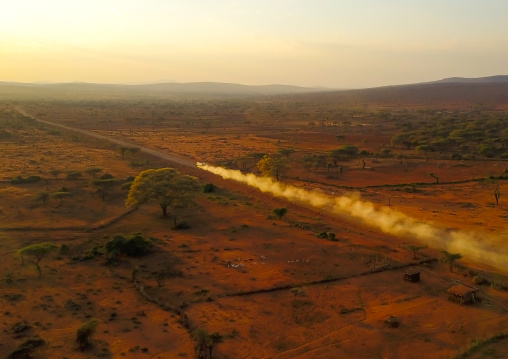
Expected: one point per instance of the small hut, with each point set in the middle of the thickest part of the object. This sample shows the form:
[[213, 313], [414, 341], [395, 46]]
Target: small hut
[[412, 275], [463, 294]]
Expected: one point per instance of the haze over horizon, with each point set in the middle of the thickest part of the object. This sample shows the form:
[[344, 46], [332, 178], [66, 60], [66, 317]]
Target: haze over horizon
[[336, 44]]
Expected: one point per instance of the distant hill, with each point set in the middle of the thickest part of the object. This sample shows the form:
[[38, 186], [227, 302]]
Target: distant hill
[[77, 90], [474, 80], [454, 93]]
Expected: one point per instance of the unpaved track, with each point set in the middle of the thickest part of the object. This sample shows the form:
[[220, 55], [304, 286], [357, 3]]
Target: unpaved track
[[343, 221], [165, 156]]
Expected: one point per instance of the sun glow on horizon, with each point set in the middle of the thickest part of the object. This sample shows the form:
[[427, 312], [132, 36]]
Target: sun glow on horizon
[[328, 43]]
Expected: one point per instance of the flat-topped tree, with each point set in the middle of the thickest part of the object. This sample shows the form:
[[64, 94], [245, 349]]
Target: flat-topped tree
[[164, 186], [93, 171], [38, 251], [450, 258], [414, 249], [55, 172]]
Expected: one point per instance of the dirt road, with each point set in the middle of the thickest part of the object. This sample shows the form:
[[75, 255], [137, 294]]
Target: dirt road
[[341, 221], [165, 156]]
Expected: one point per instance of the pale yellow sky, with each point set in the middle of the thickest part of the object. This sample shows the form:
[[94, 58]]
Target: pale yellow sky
[[332, 43]]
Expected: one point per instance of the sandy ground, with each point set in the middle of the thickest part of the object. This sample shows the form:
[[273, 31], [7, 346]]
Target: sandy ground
[[270, 287]]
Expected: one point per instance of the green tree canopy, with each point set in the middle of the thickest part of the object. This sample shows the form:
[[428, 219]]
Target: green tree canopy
[[349, 150], [280, 212], [105, 186], [286, 152], [273, 166], [93, 171], [414, 249], [38, 251], [164, 186], [450, 258]]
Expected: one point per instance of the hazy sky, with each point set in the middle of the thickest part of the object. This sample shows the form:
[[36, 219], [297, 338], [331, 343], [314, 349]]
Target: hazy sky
[[334, 43]]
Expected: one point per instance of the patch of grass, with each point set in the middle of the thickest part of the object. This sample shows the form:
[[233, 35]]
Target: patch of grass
[[26, 347], [13, 297], [478, 344]]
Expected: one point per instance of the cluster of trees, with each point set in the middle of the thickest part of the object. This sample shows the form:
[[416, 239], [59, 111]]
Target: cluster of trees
[[277, 165], [331, 158], [104, 185], [134, 246], [273, 166], [484, 134]]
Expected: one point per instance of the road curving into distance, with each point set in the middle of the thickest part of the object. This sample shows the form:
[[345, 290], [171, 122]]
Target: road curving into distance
[[342, 220], [165, 156]]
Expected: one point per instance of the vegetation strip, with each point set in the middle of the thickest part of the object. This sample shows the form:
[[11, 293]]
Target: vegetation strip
[[478, 344], [326, 280], [426, 184]]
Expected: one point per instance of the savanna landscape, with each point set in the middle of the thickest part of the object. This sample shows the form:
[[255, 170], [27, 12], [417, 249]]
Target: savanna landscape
[[150, 223]]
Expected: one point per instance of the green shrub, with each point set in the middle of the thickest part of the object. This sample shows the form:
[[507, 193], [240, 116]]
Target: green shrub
[[21, 180], [85, 332], [280, 212], [327, 235], [138, 163], [135, 246], [74, 175], [26, 347], [209, 187], [182, 225], [64, 248]]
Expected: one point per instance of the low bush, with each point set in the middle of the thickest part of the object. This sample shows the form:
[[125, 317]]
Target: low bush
[[182, 225], [135, 246], [26, 347], [209, 187], [21, 180], [327, 235], [85, 332]]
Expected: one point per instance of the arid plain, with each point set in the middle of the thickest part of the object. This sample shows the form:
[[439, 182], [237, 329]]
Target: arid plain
[[382, 172]]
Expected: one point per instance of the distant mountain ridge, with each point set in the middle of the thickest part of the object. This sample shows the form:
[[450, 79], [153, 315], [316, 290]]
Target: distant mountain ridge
[[213, 88], [474, 80], [491, 90]]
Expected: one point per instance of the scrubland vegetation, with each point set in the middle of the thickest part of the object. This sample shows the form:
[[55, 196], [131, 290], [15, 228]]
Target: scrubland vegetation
[[251, 275]]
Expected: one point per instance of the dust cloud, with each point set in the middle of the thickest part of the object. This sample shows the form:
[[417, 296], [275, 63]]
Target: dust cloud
[[471, 245]]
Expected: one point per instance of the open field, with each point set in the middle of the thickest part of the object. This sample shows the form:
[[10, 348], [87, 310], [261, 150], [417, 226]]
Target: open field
[[270, 286]]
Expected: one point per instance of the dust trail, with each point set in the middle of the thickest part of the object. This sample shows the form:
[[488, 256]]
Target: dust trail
[[472, 246]]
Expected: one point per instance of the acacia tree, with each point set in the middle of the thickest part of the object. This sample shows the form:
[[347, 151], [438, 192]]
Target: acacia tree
[[205, 342], [349, 150], [38, 251], [497, 194], [55, 172], [286, 152], [431, 174], [93, 171], [273, 166], [450, 258], [105, 186], [414, 248], [280, 212], [41, 196], [164, 186]]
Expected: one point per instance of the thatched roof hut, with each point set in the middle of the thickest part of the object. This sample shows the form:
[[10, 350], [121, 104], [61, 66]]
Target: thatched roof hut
[[463, 293]]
